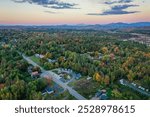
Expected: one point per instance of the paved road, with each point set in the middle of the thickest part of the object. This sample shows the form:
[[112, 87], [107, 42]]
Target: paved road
[[126, 83], [56, 78]]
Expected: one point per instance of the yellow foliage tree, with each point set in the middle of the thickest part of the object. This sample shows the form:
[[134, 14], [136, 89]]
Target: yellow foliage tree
[[105, 50], [48, 55], [97, 77]]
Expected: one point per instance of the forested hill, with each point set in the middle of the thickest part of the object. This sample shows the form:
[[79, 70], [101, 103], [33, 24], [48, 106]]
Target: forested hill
[[119, 25]]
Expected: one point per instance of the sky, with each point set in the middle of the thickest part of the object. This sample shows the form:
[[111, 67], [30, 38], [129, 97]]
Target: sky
[[57, 12]]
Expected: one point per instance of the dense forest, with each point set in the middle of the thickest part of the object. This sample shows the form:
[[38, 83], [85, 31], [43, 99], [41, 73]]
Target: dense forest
[[101, 55], [15, 82]]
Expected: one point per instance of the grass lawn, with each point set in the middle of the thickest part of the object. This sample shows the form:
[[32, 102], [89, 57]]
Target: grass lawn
[[54, 70], [72, 84], [35, 59], [86, 88]]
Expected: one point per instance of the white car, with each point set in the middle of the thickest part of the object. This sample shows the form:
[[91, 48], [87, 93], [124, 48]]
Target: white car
[[133, 84], [141, 88]]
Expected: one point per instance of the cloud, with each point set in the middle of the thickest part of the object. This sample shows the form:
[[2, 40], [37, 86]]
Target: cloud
[[114, 13], [51, 12], [118, 12], [117, 1], [55, 4], [117, 7], [64, 6]]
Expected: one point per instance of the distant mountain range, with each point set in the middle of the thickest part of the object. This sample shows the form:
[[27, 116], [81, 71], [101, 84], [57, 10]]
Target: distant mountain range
[[119, 25]]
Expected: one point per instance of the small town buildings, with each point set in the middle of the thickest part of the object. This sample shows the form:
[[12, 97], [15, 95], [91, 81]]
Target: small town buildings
[[47, 90], [101, 95], [122, 82], [78, 76], [51, 61], [35, 74], [39, 55], [89, 78]]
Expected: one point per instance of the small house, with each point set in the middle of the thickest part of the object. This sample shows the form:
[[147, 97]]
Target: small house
[[103, 97], [49, 90], [35, 74], [39, 56], [89, 78], [98, 94], [122, 82], [51, 61], [78, 76]]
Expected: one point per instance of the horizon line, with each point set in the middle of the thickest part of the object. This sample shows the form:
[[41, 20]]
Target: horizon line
[[81, 24]]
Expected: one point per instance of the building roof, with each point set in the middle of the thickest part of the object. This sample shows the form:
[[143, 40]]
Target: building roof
[[103, 97], [35, 73], [49, 90]]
